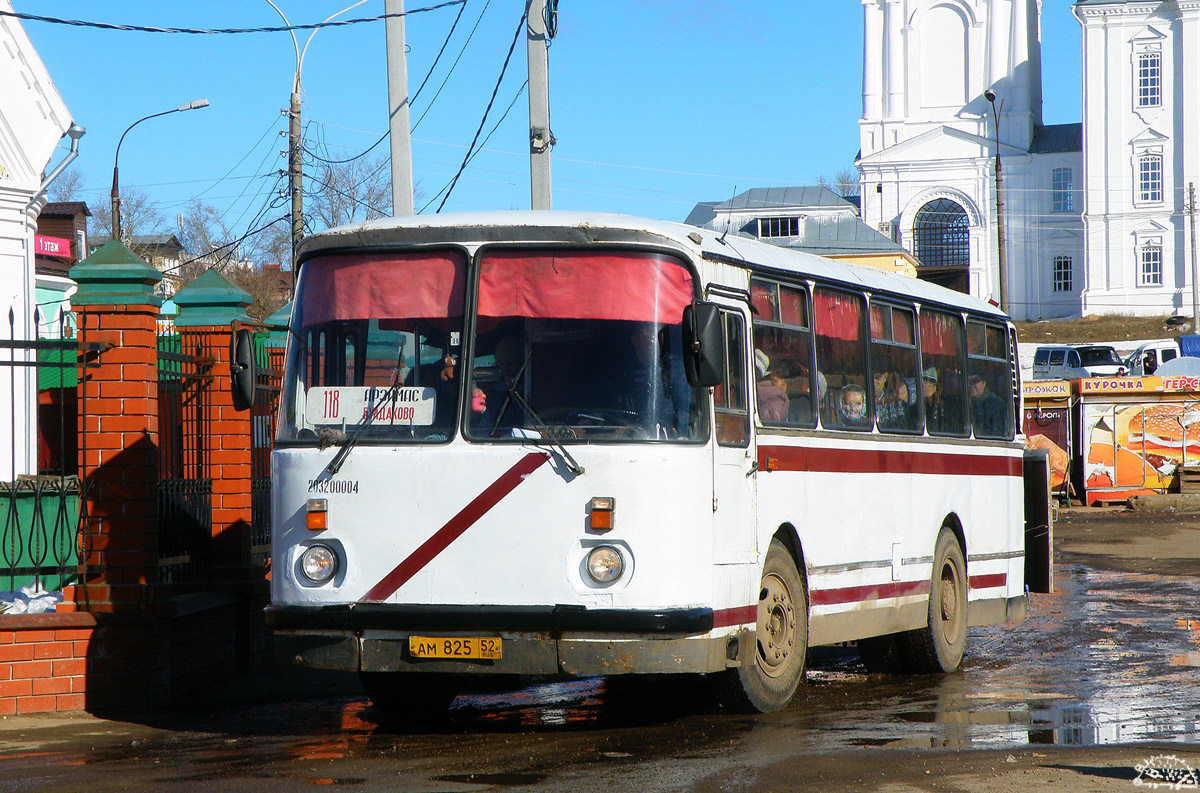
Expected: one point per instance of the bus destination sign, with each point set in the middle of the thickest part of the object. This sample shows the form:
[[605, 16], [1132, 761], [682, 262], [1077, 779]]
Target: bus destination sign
[[349, 405]]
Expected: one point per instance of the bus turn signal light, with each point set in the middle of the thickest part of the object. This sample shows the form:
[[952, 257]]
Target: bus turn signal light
[[602, 509], [317, 512]]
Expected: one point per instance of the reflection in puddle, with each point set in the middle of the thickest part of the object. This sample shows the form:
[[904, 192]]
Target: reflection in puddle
[[1107, 655]]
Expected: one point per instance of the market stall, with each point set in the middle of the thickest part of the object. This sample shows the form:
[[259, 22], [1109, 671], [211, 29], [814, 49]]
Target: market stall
[[1047, 424], [1135, 432]]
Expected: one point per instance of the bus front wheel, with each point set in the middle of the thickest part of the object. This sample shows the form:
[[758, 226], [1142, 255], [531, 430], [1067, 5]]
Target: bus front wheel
[[771, 670], [938, 647]]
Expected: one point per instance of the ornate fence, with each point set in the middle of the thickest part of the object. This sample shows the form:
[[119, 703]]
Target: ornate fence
[[185, 485], [41, 533], [262, 433]]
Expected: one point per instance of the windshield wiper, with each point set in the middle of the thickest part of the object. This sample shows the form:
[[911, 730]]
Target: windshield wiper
[[348, 441], [546, 431]]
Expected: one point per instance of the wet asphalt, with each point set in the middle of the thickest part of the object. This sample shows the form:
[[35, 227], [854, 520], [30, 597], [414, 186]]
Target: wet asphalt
[[1109, 661]]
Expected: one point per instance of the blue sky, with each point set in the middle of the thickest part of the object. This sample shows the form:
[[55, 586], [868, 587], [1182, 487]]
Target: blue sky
[[655, 105]]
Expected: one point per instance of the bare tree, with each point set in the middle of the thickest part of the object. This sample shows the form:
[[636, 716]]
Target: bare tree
[[138, 216], [847, 182], [203, 233], [267, 291], [67, 187], [349, 192]]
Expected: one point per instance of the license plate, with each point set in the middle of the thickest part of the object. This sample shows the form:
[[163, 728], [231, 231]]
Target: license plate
[[482, 648]]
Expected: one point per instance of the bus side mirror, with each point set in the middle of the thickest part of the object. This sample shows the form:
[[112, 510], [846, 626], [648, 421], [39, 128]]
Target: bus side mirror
[[243, 369], [703, 345]]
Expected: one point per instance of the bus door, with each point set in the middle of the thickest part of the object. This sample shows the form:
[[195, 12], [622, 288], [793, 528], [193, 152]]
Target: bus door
[[734, 453]]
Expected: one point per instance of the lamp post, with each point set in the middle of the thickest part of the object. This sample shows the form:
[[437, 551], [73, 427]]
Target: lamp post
[[990, 96], [116, 191], [295, 142]]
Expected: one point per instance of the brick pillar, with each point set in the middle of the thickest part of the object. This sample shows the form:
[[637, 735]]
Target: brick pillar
[[118, 447], [208, 305]]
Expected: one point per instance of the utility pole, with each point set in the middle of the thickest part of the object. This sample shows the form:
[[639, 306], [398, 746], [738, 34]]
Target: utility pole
[[1191, 210], [1001, 259], [397, 73], [540, 138], [296, 174]]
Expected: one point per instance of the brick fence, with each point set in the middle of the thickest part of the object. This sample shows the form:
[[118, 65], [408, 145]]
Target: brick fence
[[139, 629]]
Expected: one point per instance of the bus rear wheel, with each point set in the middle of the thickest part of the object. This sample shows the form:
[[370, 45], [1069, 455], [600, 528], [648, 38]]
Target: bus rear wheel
[[772, 668], [938, 647]]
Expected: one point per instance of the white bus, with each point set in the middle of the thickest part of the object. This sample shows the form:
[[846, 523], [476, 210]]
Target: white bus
[[549, 443]]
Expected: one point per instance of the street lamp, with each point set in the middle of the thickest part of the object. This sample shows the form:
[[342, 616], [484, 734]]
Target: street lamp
[[116, 193], [990, 96]]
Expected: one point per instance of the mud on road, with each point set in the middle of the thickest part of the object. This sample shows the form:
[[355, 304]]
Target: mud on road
[[1095, 690]]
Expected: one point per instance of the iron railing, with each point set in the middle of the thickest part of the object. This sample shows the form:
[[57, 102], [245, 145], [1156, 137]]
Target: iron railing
[[262, 434], [185, 363], [41, 530]]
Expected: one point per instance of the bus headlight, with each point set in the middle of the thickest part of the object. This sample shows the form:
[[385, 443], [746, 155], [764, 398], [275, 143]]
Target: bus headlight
[[318, 563], [605, 564]]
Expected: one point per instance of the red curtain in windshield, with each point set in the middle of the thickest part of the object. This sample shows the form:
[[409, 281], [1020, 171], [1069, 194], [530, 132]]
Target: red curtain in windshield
[[427, 285], [641, 287]]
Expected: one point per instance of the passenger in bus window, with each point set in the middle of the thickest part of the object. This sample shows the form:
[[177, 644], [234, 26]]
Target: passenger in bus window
[[988, 414], [892, 408], [499, 409], [656, 392], [771, 389], [852, 406], [941, 415]]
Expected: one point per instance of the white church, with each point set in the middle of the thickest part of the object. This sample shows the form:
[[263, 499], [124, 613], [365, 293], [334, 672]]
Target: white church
[[1095, 214]]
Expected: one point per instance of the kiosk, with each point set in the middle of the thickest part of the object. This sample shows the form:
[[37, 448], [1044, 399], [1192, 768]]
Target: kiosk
[[1135, 433]]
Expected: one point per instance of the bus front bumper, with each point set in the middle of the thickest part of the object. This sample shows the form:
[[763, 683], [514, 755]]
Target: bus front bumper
[[559, 640]]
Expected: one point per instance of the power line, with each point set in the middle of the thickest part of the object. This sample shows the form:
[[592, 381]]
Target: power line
[[230, 244], [411, 101], [472, 155], [446, 79], [212, 31], [486, 111]]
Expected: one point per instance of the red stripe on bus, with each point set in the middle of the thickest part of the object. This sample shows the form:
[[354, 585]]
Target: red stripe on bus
[[740, 615], [743, 615], [989, 581], [862, 594], [881, 461], [456, 526]]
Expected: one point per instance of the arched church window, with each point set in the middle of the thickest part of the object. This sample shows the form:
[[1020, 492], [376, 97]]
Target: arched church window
[[941, 234]]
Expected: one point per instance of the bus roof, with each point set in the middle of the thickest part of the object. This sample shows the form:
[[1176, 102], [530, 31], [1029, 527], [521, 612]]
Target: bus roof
[[570, 226]]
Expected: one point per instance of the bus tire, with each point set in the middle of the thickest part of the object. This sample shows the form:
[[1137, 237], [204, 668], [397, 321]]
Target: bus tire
[[410, 698], [772, 666], [883, 654], [938, 647]]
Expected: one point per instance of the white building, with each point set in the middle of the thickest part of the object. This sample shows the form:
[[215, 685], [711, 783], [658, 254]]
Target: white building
[[1095, 214], [1141, 119], [33, 119], [928, 148]]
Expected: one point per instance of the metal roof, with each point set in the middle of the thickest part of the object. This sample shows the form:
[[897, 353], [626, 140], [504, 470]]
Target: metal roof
[[1055, 138], [810, 197]]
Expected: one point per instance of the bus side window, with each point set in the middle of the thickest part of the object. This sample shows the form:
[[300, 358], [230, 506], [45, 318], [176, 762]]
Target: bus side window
[[842, 358], [942, 373], [786, 386], [990, 382], [733, 417]]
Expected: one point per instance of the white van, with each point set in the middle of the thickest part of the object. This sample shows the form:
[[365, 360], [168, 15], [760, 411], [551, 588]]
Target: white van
[[1146, 359], [1069, 361]]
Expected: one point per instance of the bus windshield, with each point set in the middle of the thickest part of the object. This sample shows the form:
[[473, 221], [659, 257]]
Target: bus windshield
[[582, 346], [377, 341]]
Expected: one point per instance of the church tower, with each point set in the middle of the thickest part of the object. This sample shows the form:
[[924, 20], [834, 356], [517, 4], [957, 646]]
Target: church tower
[[929, 137]]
